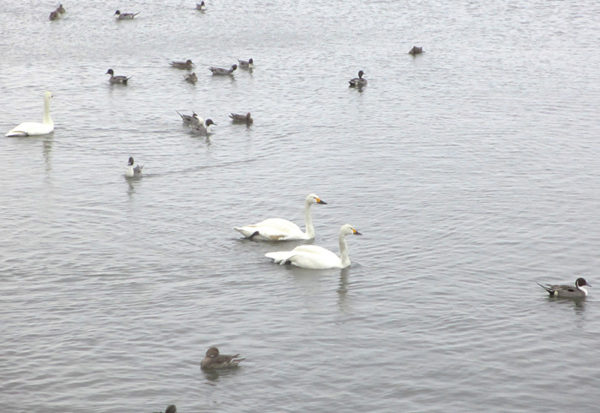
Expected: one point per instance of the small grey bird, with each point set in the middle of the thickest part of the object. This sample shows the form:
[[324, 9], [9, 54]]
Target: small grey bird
[[567, 291], [117, 79], [219, 71], [246, 64], [214, 360], [192, 78], [125, 16], [359, 81], [239, 118], [415, 50], [187, 65], [133, 171]]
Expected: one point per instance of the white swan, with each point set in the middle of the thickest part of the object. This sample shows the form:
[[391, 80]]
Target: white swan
[[278, 229], [36, 128], [315, 257]]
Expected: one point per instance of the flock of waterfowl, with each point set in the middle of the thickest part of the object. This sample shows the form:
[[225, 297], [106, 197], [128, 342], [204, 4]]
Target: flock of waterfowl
[[273, 229]]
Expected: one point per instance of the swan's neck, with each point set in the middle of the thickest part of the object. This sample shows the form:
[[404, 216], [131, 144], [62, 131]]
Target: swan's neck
[[345, 258], [47, 119], [310, 229]]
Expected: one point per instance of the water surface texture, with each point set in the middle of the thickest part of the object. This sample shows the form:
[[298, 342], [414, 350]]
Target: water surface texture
[[472, 171]]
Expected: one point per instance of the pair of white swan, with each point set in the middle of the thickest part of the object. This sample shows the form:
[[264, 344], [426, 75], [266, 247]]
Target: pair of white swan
[[305, 256], [36, 128]]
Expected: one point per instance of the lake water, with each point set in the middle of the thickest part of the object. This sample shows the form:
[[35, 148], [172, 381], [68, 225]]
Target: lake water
[[471, 170]]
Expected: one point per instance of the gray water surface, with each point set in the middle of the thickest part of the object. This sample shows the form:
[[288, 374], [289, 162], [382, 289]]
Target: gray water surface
[[472, 171]]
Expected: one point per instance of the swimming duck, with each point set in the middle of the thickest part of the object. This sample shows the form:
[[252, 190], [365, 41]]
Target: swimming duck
[[246, 64], [314, 257], [125, 16], [187, 65], [61, 9], [132, 171], [53, 15], [278, 229], [567, 291], [187, 119], [171, 409], [201, 6], [36, 128], [117, 79], [215, 360], [415, 50], [192, 78], [238, 118], [200, 126], [220, 71], [358, 81]]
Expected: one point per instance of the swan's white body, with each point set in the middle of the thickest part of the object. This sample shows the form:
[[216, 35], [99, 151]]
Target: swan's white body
[[314, 257], [278, 229], [36, 128]]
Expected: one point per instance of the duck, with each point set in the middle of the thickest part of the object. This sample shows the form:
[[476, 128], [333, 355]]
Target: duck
[[61, 9], [133, 171], [246, 64], [192, 78], [35, 128], [279, 229], [187, 119], [120, 79], [187, 65], [125, 16], [222, 72], [201, 6], [214, 360], [415, 50], [568, 291], [53, 15], [314, 257], [358, 81], [200, 126], [238, 118]]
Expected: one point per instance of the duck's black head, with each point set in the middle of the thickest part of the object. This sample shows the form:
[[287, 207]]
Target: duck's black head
[[251, 61], [131, 161], [233, 67], [360, 74], [209, 122], [109, 72], [580, 282], [118, 12]]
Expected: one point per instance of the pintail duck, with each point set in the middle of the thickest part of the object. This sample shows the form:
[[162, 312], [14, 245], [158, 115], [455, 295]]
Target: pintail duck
[[133, 171], [201, 6], [246, 64], [117, 79], [192, 78], [415, 50], [214, 360], [53, 15], [358, 81], [238, 118], [187, 65], [567, 291], [200, 126], [125, 16], [187, 119], [220, 71], [171, 409]]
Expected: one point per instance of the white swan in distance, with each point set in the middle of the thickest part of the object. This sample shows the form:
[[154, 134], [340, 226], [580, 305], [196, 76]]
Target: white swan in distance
[[36, 128], [314, 257], [278, 229]]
